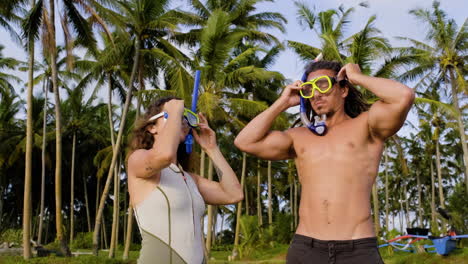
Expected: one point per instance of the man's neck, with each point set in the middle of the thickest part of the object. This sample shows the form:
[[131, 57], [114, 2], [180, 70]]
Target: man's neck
[[336, 118]]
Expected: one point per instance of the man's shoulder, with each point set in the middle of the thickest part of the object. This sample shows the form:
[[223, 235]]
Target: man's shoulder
[[296, 131]]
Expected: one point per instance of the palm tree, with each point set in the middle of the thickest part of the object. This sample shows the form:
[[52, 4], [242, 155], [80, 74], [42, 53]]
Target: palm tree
[[7, 63], [270, 213], [9, 13], [108, 66], [148, 22], [29, 133], [85, 38], [10, 135], [438, 60], [242, 15], [363, 47]]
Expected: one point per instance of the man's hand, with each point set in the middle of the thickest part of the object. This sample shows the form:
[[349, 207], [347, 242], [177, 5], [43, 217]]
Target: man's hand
[[349, 72], [290, 96]]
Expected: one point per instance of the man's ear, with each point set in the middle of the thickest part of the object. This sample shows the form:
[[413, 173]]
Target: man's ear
[[344, 88]]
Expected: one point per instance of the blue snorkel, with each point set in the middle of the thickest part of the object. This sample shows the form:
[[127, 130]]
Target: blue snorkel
[[318, 127], [189, 138]]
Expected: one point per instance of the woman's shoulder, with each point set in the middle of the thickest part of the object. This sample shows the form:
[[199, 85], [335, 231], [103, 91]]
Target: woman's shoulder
[[136, 154]]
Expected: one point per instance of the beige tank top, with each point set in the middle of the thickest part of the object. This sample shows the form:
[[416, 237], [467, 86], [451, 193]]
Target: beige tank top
[[169, 220]]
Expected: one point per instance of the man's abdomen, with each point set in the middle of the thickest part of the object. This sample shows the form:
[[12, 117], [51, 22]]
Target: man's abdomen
[[335, 212]]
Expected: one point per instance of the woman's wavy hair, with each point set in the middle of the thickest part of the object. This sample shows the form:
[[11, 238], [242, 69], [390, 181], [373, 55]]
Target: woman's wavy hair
[[354, 102], [141, 138]]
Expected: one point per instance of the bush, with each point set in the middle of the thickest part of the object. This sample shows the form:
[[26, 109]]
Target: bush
[[83, 240], [12, 235]]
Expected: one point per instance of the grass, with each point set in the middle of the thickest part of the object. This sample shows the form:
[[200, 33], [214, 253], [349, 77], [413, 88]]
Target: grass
[[82, 259], [274, 255]]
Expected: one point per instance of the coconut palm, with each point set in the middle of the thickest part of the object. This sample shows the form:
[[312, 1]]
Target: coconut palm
[[243, 14], [41, 16], [10, 135], [148, 23], [439, 59], [6, 64]]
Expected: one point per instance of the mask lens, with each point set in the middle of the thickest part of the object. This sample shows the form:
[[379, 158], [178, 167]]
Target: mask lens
[[191, 118], [306, 90], [323, 84]]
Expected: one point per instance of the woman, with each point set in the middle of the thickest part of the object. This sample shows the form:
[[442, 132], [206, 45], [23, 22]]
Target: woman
[[169, 202]]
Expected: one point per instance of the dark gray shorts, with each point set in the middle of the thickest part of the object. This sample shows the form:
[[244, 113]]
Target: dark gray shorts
[[305, 250]]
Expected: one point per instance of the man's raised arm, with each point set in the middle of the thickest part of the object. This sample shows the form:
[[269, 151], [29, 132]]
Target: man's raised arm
[[256, 137], [387, 115]]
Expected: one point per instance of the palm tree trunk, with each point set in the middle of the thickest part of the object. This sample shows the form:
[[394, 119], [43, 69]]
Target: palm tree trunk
[[295, 205], [215, 223], [433, 211], [104, 232], [98, 194], [97, 224], [407, 216], [109, 112], [141, 83], [376, 208], [270, 213], [115, 209], [128, 222], [259, 193], [210, 213], [461, 126], [291, 204], [246, 190], [72, 189], [44, 143], [420, 208], [114, 221], [28, 159], [439, 176], [58, 135], [441, 187], [115, 215], [235, 251], [128, 235], [87, 203], [117, 198], [202, 163], [124, 234], [386, 193], [400, 218]]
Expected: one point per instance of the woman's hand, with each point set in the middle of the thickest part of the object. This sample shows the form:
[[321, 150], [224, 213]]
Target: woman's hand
[[206, 137]]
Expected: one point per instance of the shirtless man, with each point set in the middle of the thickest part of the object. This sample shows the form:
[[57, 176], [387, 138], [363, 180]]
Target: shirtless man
[[337, 169]]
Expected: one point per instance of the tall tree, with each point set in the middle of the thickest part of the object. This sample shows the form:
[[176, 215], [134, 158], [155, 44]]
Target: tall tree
[[148, 24], [29, 141], [439, 59]]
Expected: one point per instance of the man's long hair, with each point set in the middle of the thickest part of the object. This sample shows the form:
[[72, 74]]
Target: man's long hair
[[354, 101]]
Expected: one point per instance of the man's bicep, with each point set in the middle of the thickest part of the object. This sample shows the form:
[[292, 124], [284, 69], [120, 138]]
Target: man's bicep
[[386, 119], [277, 145]]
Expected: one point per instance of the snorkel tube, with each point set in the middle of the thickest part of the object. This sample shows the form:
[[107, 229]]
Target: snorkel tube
[[189, 138], [318, 127]]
